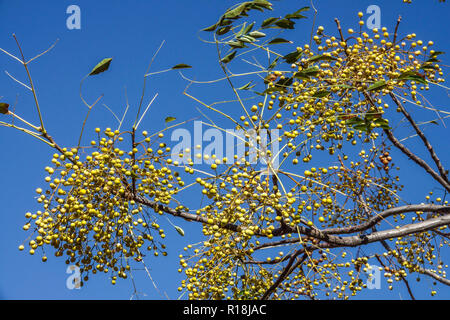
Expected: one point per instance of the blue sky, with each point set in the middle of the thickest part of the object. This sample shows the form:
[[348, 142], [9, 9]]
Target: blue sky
[[130, 32]]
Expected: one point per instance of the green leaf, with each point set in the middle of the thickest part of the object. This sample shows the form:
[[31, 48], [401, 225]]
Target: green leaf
[[285, 24], [296, 14], [247, 39], [236, 12], [412, 76], [344, 86], [221, 23], [101, 66], [268, 22], [263, 3], [247, 86], [371, 116], [179, 230], [383, 123], [228, 57], [321, 94], [292, 57], [428, 66], [279, 41], [274, 63], [236, 44], [181, 66], [436, 53], [241, 32], [4, 108], [257, 34], [286, 82], [377, 85], [211, 28], [307, 73], [248, 28], [433, 60], [321, 57], [354, 121], [169, 119], [243, 8], [223, 30], [362, 127]]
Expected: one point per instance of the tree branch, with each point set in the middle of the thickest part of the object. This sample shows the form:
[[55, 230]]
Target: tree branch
[[286, 271], [417, 160], [387, 213], [422, 136]]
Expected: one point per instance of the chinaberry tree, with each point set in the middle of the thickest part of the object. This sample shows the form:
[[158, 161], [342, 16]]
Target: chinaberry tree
[[295, 229]]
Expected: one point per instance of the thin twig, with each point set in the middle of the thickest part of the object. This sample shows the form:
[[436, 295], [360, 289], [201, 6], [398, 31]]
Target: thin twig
[[19, 82], [422, 136], [33, 89]]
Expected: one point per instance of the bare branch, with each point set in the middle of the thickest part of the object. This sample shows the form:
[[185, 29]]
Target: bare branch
[[422, 136], [417, 160], [50, 48]]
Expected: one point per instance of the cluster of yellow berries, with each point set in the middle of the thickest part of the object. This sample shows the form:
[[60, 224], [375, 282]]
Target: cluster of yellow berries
[[242, 197], [90, 213], [321, 103], [334, 95]]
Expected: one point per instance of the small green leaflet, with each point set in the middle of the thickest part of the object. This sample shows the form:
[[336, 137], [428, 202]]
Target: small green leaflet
[[169, 119], [179, 230], [181, 66], [246, 38], [279, 41], [285, 24], [247, 29], [354, 120], [257, 34], [292, 57], [223, 30], [222, 23], [228, 57], [321, 57], [364, 124], [361, 127], [242, 9], [412, 76], [248, 86], [384, 124], [286, 82], [321, 94], [371, 116], [296, 14], [236, 12], [239, 11], [428, 66], [274, 63], [211, 28], [377, 85], [236, 44], [307, 73], [436, 53], [101, 66], [343, 86], [268, 22], [4, 108]]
